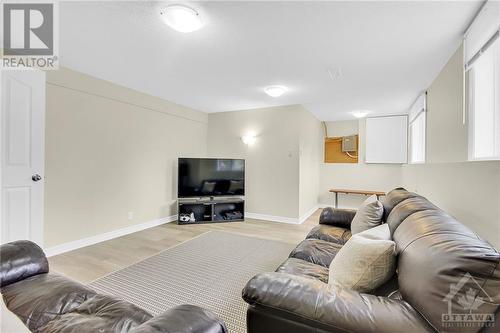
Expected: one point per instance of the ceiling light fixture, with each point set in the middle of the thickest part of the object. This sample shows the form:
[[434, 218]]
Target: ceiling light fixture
[[181, 18], [360, 114], [275, 91]]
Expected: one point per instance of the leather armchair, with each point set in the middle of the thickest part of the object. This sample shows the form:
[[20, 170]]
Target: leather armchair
[[320, 307], [20, 260], [50, 303]]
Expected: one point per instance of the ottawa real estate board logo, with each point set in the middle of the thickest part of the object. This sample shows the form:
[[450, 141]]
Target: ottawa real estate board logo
[[468, 305], [30, 35]]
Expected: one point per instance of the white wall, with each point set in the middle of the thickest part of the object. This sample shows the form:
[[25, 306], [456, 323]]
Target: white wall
[[383, 177], [111, 150]]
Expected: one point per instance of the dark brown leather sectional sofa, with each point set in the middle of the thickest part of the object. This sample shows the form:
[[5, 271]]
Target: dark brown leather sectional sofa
[[448, 279], [49, 303]]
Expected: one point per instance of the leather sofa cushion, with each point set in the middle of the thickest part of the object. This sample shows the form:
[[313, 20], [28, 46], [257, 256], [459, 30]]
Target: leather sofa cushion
[[408, 207], [21, 259], [316, 251], [41, 298], [435, 253], [329, 233], [336, 309], [393, 198], [100, 313], [337, 217], [304, 268], [183, 318]]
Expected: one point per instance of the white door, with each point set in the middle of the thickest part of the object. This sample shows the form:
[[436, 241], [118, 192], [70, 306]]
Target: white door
[[22, 153]]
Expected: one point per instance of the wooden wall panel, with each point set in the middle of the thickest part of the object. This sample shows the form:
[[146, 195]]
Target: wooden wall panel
[[334, 153]]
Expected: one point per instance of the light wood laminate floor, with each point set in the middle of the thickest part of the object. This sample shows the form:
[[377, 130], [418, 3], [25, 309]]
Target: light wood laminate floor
[[92, 262]]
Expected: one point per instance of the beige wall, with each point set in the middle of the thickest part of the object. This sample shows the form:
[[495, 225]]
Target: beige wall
[[109, 151], [273, 163], [310, 138], [446, 133], [382, 177], [470, 191]]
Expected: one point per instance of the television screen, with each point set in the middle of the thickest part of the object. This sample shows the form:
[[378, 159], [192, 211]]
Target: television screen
[[200, 177]]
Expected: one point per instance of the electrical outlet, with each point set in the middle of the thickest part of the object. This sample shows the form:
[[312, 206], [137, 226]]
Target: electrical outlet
[[130, 215]]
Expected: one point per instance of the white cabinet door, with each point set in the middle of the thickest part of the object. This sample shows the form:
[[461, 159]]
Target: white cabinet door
[[387, 139], [22, 154]]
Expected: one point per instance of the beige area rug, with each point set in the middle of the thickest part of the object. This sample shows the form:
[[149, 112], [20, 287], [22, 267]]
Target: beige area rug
[[209, 271]]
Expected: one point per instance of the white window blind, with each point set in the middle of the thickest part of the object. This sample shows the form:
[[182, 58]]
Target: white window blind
[[417, 125], [386, 139], [482, 32], [482, 64]]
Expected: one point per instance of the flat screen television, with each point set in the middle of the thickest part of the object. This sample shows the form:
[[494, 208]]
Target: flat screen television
[[210, 177]]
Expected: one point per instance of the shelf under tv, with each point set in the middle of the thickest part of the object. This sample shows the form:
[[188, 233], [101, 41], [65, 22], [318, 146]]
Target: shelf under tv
[[212, 209]]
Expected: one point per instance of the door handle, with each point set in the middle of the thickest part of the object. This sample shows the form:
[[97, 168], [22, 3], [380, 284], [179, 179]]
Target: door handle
[[36, 177]]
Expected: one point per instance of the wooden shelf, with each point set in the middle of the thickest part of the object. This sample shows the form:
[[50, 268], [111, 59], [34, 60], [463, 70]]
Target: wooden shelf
[[364, 192], [211, 210]]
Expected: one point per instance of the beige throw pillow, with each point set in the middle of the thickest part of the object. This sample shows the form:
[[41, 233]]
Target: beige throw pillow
[[379, 232], [369, 215], [364, 263]]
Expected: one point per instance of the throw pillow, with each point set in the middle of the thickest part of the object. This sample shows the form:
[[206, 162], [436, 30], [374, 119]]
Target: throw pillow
[[363, 264], [369, 215], [379, 232]]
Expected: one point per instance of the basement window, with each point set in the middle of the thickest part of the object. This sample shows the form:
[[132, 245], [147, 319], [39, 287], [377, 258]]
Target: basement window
[[418, 130], [484, 105], [482, 80]]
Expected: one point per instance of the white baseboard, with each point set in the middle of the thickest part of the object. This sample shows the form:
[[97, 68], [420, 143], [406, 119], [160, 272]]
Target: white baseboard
[[273, 218], [281, 219], [308, 214], [322, 205], [70, 246]]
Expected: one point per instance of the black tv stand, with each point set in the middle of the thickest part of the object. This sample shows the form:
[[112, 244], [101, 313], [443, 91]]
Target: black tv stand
[[212, 210]]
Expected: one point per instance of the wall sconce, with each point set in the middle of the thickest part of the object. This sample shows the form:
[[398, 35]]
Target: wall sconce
[[249, 139]]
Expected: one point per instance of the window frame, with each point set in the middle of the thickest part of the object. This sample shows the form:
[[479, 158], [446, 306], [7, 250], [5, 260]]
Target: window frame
[[423, 142], [417, 110], [470, 85]]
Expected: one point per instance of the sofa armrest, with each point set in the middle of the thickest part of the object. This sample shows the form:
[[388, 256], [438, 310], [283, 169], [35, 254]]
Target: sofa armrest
[[337, 217], [183, 319], [338, 308], [20, 260]]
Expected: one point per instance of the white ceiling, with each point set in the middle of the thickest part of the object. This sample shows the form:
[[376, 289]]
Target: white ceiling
[[387, 52]]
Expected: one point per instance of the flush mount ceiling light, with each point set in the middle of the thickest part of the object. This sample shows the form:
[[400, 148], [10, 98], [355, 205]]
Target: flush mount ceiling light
[[360, 114], [275, 91], [181, 18]]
